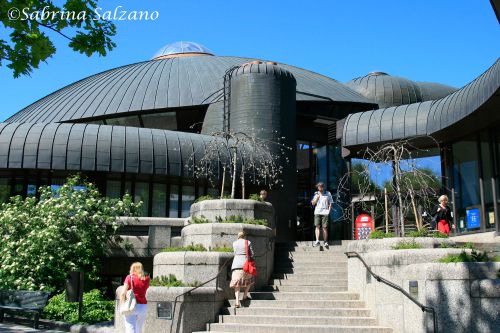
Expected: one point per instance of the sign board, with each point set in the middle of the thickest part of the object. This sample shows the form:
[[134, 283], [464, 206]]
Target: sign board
[[473, 219], [164, 310]]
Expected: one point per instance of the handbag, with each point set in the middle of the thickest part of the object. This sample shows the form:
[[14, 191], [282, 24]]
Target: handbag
[[249, 265], [128, 306]]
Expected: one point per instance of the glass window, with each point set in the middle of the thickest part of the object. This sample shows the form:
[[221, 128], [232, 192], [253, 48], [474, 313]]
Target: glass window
[[165, 120], [31, 190], [124, 121], [174, 201], [466, 179], [187, 200], [128, 187], [142, 194], [213, 192], [4, 190], [113, 189], [159, 200], [336, 166], [321, 164]]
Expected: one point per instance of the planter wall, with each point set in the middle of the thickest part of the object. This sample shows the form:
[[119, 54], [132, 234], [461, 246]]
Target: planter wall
[[224, 234], [222, 208]]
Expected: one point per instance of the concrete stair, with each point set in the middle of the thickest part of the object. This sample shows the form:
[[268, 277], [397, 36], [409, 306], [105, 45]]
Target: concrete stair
[[307, 293]]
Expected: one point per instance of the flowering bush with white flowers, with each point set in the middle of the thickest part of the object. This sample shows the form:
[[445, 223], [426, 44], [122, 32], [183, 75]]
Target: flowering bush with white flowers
[[65, 230]]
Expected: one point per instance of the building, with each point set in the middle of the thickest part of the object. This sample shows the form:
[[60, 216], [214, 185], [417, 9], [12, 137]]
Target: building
[[136, 129]]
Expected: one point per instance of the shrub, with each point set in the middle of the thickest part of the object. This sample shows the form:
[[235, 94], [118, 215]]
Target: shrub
[[405, 245], [241, 219], [425, 233], [221, 249], [437, 234], [95, 308], [254, 196], [378, 234], [204, 197], [166, 281], [474, 256], [65, 230], [199, 219], [189, 248], [469, 245]]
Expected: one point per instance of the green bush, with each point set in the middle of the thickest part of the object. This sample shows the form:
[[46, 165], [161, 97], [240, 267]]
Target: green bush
[[378, 234], [189, 248], [474, 256], [221, 249], [240, 219], [425, 233], [95, 308], [254, 196], [469, 245], [199, 219], [406, 245], [204, 197], [166, 281], [65, 230], [437, 234]]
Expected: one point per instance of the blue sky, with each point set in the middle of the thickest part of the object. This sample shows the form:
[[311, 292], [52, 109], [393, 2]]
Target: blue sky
[[444, 41]]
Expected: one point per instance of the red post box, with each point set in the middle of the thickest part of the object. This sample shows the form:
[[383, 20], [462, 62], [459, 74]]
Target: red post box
[[363, 226]]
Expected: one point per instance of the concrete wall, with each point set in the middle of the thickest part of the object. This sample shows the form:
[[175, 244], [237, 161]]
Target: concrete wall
[[221, 208], [447, 287], [224, 234], [191, 267], [192, 312]]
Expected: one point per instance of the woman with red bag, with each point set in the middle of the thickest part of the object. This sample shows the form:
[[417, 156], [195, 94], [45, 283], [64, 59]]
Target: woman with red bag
[[239, 278]]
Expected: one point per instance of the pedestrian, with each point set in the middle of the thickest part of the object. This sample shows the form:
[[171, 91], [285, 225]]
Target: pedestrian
[[322, 201], [442, 215], [138, 281], [263, 195], [240, 278]]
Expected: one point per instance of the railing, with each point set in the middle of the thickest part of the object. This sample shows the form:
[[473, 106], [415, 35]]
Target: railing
[[423, 307], [194, 288]]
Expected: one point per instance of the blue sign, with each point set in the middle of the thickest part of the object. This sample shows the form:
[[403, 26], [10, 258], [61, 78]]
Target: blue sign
[[473, 219]]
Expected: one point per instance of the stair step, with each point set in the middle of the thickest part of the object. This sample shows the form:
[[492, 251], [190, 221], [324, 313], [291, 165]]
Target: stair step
[[309, 265], [301, 304], [299, 296], [298, 270], [310, 276], [331, 249], [301, 288], [297, 320], [322, 312], [310, 258], [263, 328], [302, 282]]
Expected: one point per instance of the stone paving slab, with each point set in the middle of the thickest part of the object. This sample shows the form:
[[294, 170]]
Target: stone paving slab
[[15, 328]]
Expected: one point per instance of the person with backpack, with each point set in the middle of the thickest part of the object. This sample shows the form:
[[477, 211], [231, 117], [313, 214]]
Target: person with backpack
[[322, 202]]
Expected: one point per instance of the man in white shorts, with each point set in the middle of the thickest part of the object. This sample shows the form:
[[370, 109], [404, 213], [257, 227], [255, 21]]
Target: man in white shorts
[[322, 201]]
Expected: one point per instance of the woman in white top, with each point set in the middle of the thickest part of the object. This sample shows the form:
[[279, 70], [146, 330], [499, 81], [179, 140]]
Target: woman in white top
[[239, 278]]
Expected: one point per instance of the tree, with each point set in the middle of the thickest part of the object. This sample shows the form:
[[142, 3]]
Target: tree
[[28, 23], [65, 230], [243, 157]]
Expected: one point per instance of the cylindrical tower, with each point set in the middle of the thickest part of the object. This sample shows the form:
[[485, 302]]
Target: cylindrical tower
[[262, 104]]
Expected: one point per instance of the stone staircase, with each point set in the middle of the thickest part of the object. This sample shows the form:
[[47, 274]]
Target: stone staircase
[[307, 293]]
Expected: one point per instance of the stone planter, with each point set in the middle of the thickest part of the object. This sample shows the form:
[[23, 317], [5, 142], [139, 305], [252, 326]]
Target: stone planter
[[192, 311], [191, 267], [371, 245], [222, 208], [224, 234]]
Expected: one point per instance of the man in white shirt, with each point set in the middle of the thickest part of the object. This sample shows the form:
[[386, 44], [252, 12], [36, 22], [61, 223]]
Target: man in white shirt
[[322, 201]]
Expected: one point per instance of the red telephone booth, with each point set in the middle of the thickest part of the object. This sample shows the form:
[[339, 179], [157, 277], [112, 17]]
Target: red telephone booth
[[363, 226]]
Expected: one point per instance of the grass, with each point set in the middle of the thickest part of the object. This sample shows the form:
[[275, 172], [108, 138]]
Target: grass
[[425, 233], [474, 256], [197, 248], [377, 234], [406, 245], [229, 219], [171, 281]]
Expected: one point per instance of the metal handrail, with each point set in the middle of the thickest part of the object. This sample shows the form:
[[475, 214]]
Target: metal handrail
[[424, 308]]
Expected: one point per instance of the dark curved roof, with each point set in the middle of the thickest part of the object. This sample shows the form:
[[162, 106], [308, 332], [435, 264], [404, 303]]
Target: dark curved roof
[[166, 83], [387, 90], [426, 118], [88, 147]]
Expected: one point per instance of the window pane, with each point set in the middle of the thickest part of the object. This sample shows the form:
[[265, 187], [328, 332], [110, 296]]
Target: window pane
[[142, 194], [166, 121], [31, 190], [174, 201], [187, 199], [113, 189], [159, 200]]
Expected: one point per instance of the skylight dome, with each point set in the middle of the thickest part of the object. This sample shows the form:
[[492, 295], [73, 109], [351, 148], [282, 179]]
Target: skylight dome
[[182, 49]]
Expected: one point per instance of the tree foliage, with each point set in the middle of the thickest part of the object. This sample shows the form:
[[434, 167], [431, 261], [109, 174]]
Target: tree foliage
[[29, 42], [65, 230]]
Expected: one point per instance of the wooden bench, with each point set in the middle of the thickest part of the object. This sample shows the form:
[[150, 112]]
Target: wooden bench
[[23, 301]]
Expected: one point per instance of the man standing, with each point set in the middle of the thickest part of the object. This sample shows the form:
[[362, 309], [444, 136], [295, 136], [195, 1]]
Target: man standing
[[322, 201]]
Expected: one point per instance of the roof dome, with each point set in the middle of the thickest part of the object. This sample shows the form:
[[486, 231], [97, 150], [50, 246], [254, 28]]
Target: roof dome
[[179, 49], [387, 90]]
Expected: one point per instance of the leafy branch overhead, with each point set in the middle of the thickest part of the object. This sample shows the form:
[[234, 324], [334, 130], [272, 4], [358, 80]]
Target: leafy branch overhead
[[30, 23]]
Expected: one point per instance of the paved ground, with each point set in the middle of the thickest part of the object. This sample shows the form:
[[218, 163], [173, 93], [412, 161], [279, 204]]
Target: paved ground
[[14, 328]]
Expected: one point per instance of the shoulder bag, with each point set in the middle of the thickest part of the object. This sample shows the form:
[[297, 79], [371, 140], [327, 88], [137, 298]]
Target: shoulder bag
[[249, 265], [128, 306]]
